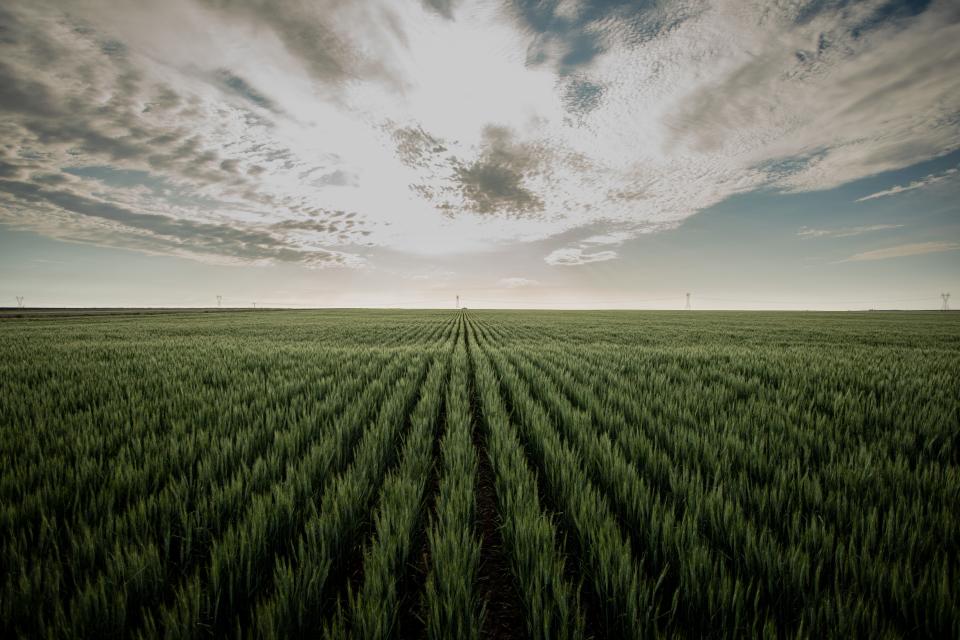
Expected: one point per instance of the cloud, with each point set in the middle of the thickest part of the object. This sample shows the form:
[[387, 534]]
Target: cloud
[[180, 236], [495, 182], [161, 169], [574, 256], [415, 147], [8, 170], [610, 238], [585, 251], [904, 250], [926, 181], [570, 34], [338, 178], [448, 126], [581, 96], [831, 95], [313, 33], [442, 7], [242, 88], [847, 232], [516, 283]]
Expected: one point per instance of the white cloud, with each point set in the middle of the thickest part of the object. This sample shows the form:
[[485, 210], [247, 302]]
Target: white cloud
[[612, 238], [584, 251], [926, 181], [573, 256], [904, 250], [516, 283], [846, 232]]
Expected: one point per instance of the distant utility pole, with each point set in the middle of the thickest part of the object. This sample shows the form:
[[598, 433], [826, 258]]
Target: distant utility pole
[[219, 298], [946, 302], [688, 302], [20, 302], [254, 305], [458, 302]]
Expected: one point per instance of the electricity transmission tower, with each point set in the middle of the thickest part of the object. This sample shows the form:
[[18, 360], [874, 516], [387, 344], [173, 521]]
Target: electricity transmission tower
[[20, 302], [688, 303], [458, 302], [219, 298], [946, 302], [254, 305]]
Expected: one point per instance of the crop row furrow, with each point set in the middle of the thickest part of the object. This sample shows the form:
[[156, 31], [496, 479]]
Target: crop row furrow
[[550, 600], [373, 611], [708, 595], [781, 556], [136, 549], [627, 595], [451, 604], [301, 581], [236, 560]]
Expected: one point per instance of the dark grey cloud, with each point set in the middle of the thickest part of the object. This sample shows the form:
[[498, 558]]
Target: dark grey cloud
[[113, 132], [172, 233], [442, 7], [242, 88], [114, 48], [332, 222], [494, 182], [489, 187], [164, 99], [100, 147], [8, 170], [305, 32], [90, 100], [49, 179], [15, 32], [415, 147], [52, 115], [25, 96], [580, 96], [137, 156]]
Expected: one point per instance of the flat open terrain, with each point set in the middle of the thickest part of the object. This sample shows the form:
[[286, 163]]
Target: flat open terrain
[[454, 474]]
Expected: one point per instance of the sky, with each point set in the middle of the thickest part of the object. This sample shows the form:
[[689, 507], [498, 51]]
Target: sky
[[518, 153]]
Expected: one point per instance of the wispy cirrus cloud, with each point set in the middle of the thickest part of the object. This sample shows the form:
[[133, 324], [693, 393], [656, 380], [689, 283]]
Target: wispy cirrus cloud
[[575, 256], [922, 183], [845, 232], [94, 220], [587, 250], [904, 250]]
